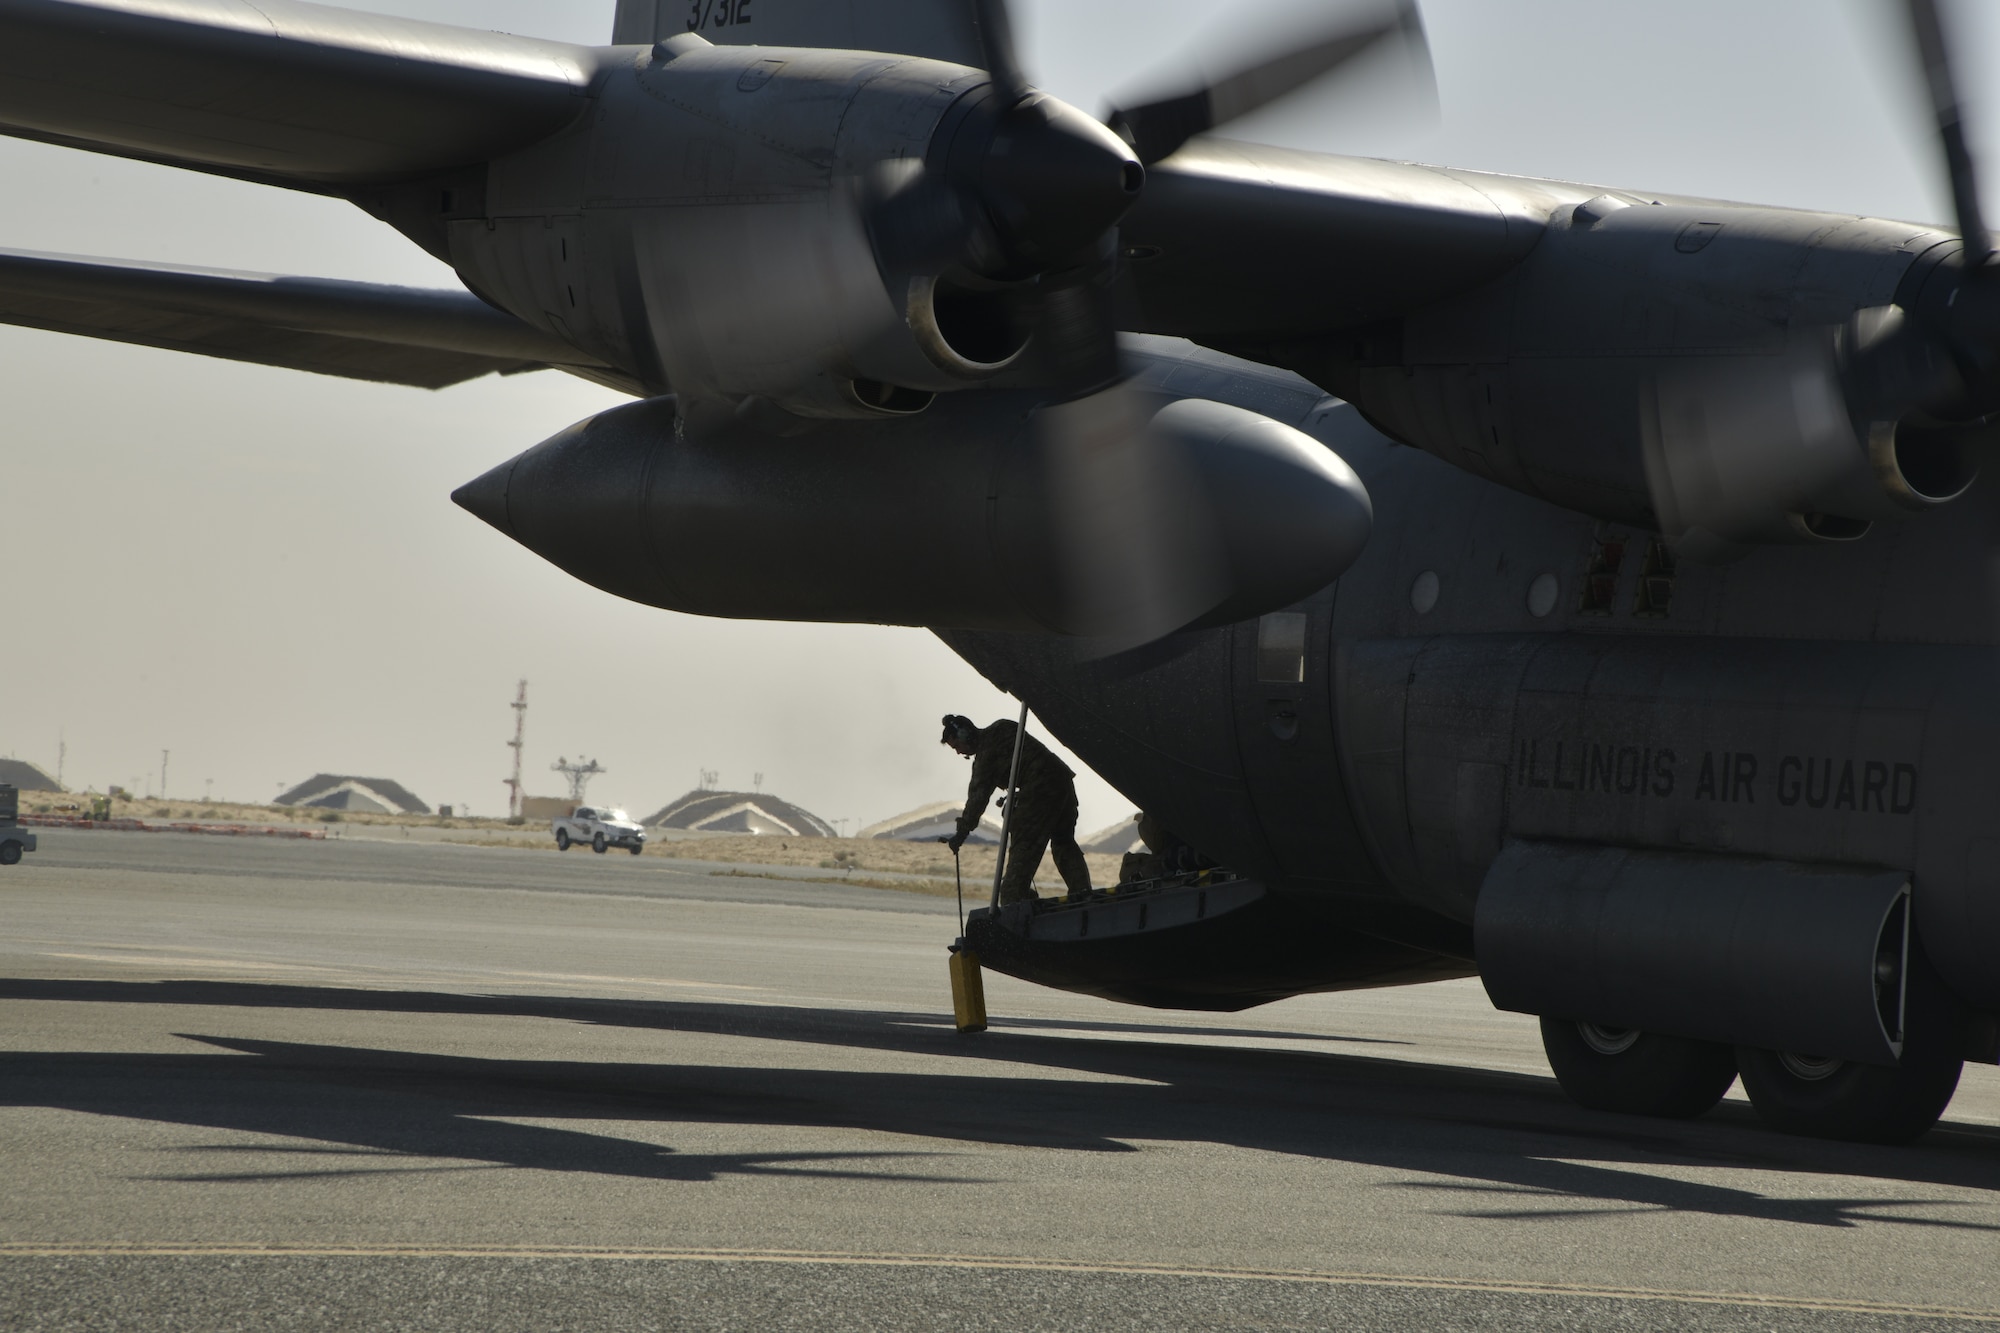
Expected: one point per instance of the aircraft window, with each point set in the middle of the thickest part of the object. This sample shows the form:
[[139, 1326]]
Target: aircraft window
[[1281, 648], [1542, 594], [1656, 581], [1424, 592]]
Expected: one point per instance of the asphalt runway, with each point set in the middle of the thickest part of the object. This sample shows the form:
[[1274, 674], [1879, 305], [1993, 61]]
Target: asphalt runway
[[293, 1085]]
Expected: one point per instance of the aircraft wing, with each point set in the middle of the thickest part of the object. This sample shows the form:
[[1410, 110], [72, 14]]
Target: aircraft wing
[[428, 338], [1236, 243], [277, 92]]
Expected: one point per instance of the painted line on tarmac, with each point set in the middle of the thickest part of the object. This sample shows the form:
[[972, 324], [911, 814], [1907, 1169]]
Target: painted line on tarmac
[[1003, 1263]]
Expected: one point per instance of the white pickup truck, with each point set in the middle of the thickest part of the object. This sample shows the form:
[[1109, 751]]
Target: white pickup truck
[[600, 828]]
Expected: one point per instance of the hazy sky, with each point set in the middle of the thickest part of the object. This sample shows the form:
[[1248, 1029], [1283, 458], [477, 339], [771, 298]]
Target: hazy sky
[[261, 571]]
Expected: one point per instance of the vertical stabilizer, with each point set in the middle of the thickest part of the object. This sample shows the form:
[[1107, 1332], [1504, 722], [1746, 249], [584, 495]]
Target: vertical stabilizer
[[940, 29]]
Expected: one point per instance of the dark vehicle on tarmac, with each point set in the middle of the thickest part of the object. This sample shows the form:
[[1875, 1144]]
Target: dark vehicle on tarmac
[[14, 840]]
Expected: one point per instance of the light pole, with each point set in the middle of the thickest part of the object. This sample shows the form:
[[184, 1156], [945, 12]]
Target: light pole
[[513, 784]]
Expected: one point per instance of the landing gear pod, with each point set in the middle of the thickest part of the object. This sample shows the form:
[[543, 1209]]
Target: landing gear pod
[[1717, 948], [1829, 1098], [1648, 967]]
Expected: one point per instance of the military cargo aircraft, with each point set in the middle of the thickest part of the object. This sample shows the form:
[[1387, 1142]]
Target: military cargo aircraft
[[1577, 587]]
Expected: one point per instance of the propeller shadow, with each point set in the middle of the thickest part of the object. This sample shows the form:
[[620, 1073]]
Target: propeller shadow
[[1510, 1139]]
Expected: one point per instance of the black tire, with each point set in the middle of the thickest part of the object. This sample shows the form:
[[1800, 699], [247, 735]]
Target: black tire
[[10, 853], [635, 850], [562, 839], [1637, 1073], [1839, 1099], [597, 843]]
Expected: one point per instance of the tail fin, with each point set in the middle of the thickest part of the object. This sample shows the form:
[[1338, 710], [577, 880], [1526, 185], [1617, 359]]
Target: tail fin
[[940, 29]]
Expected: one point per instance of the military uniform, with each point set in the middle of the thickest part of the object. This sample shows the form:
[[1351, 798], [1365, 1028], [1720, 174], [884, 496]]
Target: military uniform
[[1167, 853], [1176, 857], [1041, 818]]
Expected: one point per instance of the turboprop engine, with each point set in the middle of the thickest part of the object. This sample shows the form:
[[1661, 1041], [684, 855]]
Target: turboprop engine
[[1810, 376], [950, 519], [1801, 387], [838, 233]]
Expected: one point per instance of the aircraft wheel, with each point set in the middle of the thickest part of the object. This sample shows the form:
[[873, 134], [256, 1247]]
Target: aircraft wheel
[[10, 852], [562, 839], [1637, 1073], [1839, 1099], [597, 843]]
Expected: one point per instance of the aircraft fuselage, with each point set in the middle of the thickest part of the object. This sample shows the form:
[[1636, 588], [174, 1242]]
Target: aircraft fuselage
[[1495, 668]]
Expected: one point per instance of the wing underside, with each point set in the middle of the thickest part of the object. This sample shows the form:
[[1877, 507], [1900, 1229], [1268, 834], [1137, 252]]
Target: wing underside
[[289, 94], [356, 330]]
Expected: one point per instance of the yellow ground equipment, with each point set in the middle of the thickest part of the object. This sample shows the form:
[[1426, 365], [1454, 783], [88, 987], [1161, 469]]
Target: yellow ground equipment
[[968, 990], [968, 986]]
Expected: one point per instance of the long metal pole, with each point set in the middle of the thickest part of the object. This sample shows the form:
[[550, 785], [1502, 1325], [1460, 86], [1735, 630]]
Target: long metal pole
[[958, 876], [1007, 810]]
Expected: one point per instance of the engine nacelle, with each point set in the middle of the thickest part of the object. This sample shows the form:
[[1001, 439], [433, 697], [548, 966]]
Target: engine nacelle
[[1764, 449], [944, 520], [1718, 414], [727, 206]]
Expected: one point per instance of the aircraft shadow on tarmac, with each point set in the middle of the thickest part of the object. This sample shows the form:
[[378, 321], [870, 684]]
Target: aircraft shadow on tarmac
[[1463, 1130]]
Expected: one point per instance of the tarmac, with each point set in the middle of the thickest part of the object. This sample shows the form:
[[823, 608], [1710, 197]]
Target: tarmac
[[351, 1084]]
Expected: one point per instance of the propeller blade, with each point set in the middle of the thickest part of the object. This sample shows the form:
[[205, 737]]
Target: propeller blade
[[1076, 331], [1940, 358], [916, 222], [1893, 365], [1736, 448], [1934, 50], [1133, 531], [996, 43], [1191, 513], [1158, 129], [1029, 198]]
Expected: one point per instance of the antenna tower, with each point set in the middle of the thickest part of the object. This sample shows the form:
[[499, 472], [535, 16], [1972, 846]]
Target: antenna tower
[[579, 774], [513, 784]]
